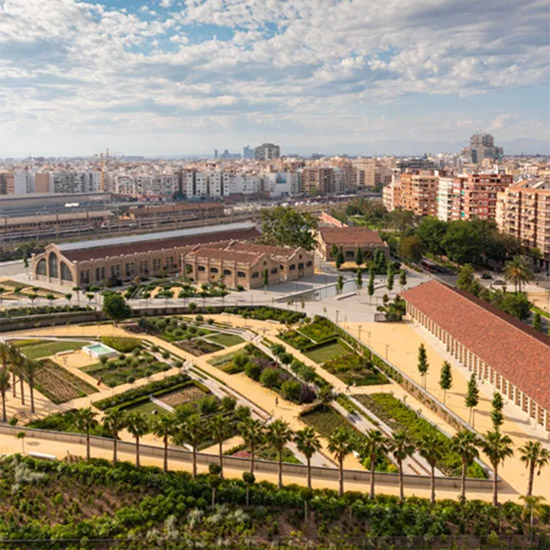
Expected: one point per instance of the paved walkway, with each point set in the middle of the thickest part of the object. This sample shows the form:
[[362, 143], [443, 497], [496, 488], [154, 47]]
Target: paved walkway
[[403, 341]]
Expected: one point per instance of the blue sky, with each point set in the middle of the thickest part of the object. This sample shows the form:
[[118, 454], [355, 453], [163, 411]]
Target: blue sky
[[185, 77]]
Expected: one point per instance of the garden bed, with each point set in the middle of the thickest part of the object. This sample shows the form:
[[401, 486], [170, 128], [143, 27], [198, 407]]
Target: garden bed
[[182, 396], [355, 370], [198, 346], [126, 370], [123, 345], [399, 416], [58, 384], [327, 351], [224, 339]]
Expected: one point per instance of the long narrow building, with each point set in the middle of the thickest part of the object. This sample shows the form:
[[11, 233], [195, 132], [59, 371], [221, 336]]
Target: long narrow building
[[508, 354]]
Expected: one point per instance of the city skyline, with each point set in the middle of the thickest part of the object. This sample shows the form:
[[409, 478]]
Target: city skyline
[[172, 78]]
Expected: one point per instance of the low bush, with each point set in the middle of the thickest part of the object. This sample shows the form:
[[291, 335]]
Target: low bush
[[124, 345]]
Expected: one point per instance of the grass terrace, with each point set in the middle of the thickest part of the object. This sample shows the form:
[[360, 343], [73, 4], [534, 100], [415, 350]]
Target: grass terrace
[[224, 339], [328, 351], [37, 349]]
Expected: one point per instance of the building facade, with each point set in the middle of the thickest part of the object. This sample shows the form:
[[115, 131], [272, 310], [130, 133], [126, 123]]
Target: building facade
[[500, 350], [349, 239], [418, 192]]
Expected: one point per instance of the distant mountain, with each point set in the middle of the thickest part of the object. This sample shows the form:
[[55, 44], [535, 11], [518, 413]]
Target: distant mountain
[[404, 147]]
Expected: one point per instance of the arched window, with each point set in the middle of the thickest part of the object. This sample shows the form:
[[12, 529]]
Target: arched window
[[66, 274], [227, 272], [41, 267], [52, 263], [214, 270]]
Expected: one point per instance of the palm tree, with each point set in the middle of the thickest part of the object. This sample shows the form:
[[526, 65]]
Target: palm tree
[[534, 509], [465, 444], [279, 434], [86, 421], [29, 368], [340, 444], [432, 448], [219, 428], [249, 480], [401, 448], [13, 353], [193, 433], [518, 271], [374, 445], [497, 447], [535, 457], [4, 387], [308, 444], [253, 434], [114, 422], [164, 426], [138, 426]]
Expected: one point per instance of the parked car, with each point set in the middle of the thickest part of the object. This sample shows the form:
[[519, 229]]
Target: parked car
[[499, 282], [486, 276]]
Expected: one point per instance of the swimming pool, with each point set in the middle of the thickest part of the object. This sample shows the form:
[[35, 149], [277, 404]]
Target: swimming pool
[[100, 350]]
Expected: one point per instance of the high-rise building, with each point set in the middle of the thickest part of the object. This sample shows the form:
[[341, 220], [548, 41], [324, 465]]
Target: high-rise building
[[476, 195], [418, 192], [523, 210], [248, 152], [482, 146], [318, 180], [267, 151]]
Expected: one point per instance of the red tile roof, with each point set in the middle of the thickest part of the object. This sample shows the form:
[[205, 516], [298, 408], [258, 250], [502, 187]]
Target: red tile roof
[[357, 236], [160, 244], [516, 351]]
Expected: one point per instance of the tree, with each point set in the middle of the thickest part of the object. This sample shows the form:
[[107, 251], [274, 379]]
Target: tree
[[285, 226], [432, 447], [333, 251], [463, 242], [401, 448], [249, 480], [29, 368], [308, 444], [214, 480], [339, 258], [465, 444], [496, 412], [359, 280], [423, 364], [340, 444], [68, 297], [265, 277], [517, 271], [537, 322], [164, 426], [86, 421], [374, 445], [359, 256], [497, 447], [50, 298], [339, 284], [113, 423], [445, 379], [4, 387], [137, 425], [370, 287], [115, 307], [403, 279], [391, 275], [219, 427], [77, 290], [517, 305], [192, 432], [533, 508], [431, 231], [535, 457], [466, 280], [278, 434], [472, 397], [253, 434], [411, 248]]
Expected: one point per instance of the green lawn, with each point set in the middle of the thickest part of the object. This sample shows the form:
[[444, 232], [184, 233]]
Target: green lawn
[[325, 420], [45, 348], [226, 340], [325, 353], [221, 360], [148, 408]]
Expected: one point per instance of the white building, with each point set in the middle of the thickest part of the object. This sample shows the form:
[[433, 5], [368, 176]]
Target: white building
[[445, 198], [23, 182]]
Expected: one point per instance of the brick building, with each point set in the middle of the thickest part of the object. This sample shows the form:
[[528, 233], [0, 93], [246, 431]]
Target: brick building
[[506, 353], [348, 239]]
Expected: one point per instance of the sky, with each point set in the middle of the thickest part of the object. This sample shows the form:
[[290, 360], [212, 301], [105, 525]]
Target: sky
[[178, 77]]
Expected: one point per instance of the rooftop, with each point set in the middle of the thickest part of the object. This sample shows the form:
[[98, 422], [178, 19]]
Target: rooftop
[[283, 251], [515, 350], [158, 236], [350, 235], [227, 255]]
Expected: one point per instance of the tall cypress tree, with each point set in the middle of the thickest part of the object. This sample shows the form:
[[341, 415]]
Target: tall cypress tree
[[445, 379], [472, 396], [496, 412], [423, 364]]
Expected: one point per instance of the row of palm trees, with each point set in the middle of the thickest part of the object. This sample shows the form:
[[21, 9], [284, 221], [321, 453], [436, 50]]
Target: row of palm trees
[[185, 427], [22, 369]]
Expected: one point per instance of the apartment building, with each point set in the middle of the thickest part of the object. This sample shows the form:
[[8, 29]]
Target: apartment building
[[445, 198], [418, 192], [523, 210], [476, 195], [318, 180], [267, 151], [74, 182], [391, 195]]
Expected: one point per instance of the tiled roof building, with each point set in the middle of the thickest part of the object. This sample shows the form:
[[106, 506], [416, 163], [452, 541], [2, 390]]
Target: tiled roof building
[[349, 238], [505, 352]]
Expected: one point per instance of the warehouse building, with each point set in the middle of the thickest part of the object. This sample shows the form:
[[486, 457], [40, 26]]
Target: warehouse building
[[506, 353]]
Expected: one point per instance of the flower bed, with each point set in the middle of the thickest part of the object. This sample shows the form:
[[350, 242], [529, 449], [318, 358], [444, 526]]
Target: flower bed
[[58, 384], [398, 416]]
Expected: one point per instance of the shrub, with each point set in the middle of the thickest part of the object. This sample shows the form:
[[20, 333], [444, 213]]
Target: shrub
[[270, 377], [291, 389], [253, 370]]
